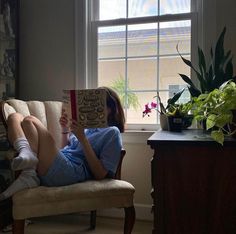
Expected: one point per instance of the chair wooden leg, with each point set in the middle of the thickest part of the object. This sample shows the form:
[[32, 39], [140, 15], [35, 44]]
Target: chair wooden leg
[[93, 215], [18, 226], [129, 219]]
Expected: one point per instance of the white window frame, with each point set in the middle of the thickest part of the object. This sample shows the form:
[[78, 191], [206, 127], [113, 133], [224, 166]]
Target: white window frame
[[86, 42]]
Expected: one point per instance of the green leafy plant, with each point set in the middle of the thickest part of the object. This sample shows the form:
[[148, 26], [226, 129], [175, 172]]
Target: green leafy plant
[[216, 108], [210, 77], [171, 103], [128, 99]]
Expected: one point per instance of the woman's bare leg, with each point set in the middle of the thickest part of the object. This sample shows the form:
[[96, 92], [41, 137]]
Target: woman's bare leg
[[41, 142], [28, 177], [39, 138], [14, 127], [26, 157]]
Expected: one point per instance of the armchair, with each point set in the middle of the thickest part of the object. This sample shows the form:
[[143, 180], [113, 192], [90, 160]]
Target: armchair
[[86, 196]]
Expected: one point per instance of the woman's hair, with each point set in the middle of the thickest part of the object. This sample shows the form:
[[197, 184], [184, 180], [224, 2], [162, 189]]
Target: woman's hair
[[116, 117]]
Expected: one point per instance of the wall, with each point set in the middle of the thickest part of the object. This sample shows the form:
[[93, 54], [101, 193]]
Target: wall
[[216, 15], [46, 48], [47, 65]]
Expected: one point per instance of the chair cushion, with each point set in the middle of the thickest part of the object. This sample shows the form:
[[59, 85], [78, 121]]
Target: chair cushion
[[85, 196]]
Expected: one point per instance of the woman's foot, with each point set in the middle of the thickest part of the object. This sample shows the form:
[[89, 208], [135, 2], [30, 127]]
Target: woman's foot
[[24, 160], [27, 179]]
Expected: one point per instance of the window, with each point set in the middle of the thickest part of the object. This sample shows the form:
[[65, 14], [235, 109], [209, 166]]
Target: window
[[132, 48]]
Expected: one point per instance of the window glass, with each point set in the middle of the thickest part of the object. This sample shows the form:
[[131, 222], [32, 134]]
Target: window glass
[[175, 33], [112, 9], [111, 42], [174, 6], [142, 40], [140, 8]]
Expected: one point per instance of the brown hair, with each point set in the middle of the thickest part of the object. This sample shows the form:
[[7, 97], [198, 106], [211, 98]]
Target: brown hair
[[116, 116]]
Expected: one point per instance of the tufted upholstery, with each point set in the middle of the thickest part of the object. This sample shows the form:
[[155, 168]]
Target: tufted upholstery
[[85, 196]]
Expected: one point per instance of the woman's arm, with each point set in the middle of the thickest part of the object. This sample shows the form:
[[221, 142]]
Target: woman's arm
[[65, 129], [94, 163]]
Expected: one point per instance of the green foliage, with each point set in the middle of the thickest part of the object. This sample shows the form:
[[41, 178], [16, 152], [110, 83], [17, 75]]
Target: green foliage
[[219, 70], [173, 108], [132, 100], [216, 109]]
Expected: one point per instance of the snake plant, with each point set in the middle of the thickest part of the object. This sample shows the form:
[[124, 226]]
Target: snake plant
[[219, 70]]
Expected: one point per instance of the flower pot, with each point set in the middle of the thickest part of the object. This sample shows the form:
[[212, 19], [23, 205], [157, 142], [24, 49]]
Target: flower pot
[[175, 123], [164, 122]]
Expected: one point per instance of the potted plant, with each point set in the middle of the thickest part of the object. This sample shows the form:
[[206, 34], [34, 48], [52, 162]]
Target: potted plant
[[219, 70], [218, 109], [173, 116]]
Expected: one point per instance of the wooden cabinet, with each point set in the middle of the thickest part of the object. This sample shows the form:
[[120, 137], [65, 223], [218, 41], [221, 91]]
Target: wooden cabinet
[[194, 183]]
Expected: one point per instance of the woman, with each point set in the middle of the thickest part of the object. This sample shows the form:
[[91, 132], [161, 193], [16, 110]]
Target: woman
[[85, 154]]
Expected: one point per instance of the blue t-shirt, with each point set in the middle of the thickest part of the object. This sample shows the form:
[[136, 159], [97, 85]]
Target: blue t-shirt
[[106, 143]]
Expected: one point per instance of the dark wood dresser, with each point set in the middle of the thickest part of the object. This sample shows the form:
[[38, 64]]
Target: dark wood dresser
[[194, 183]]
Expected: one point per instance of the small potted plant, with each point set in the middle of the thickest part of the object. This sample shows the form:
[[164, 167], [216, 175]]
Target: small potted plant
[[173, 117], [217, 109]]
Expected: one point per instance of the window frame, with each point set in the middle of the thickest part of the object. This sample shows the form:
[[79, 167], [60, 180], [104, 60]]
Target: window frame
[[90, 73]]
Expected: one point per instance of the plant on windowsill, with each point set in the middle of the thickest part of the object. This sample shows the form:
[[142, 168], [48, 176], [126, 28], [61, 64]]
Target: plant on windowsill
[[218, 109], [173, 117], [219, 70]]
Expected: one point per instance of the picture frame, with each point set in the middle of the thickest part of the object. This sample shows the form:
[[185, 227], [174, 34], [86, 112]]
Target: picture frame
[[9, 49]]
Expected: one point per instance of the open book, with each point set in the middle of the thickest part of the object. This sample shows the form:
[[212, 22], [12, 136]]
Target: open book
[[86, 106]]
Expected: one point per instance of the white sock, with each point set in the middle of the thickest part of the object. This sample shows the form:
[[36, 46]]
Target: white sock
[[26, 158], [27, 179]]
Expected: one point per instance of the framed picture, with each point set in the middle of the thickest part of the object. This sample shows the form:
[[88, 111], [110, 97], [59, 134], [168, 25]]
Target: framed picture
[[9, 15]]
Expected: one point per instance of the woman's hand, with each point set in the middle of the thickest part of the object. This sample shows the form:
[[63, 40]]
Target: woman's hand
[[64, 122]]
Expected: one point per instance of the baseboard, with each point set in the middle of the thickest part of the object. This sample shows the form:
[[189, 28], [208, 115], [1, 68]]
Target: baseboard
[[143, 212]]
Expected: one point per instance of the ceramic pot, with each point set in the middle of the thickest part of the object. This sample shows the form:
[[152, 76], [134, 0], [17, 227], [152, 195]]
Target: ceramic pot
[[175, 123], [164, 122]]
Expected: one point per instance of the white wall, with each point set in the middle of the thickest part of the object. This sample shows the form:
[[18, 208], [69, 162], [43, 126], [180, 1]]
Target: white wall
[[47, 65], [46, 48]]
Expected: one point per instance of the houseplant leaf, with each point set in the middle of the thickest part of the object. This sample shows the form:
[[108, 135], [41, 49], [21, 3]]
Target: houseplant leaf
[[201, 61], [218, 136]]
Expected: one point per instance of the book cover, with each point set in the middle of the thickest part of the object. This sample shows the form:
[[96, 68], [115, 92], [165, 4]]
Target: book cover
[[86, 106]]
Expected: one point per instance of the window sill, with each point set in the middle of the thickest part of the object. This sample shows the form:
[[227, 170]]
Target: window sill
[[136, 136]]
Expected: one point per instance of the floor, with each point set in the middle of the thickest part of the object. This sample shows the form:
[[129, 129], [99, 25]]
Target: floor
[[78, 224]]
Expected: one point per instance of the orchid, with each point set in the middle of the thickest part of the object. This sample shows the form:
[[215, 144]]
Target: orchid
[[149, 107]]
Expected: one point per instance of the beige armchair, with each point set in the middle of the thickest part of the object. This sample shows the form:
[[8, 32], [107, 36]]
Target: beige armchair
[[86, 196]]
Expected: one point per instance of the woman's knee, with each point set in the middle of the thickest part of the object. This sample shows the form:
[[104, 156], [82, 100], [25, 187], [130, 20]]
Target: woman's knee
[[14, 118]]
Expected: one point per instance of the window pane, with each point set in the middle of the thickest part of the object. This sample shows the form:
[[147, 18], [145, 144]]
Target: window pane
[[140, 8], [111, 42], [114, 9], [142, 39], [185, 97], [142, 73], [170, 67], [135, 115], [173, 34], [174, 6], [111, 72]]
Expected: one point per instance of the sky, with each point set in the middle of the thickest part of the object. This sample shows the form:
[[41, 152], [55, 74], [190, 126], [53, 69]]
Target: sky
[[111, 9]]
